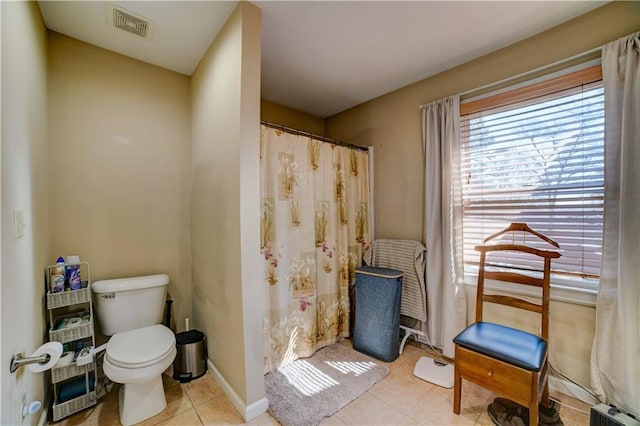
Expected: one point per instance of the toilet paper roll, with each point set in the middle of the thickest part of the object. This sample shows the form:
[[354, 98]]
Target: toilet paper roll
[[53, 349]]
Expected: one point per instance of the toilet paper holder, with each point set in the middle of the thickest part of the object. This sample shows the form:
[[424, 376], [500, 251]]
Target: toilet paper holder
[[19, 360], [42, 359]]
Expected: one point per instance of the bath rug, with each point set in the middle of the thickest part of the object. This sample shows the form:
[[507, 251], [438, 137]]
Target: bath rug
[[306, 391]]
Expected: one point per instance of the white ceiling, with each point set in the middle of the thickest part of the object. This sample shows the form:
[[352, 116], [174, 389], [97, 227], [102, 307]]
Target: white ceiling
[[182, 31], [323, 57]]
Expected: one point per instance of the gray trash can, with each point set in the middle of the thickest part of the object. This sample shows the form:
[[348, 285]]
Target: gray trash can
[[377, 318], [191, 357]]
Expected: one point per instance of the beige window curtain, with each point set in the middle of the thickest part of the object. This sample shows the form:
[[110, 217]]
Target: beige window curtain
[[446, 305], [615, 356], [314, 227]]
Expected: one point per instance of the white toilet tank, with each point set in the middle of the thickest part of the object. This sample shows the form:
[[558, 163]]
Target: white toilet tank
[[129, 303]]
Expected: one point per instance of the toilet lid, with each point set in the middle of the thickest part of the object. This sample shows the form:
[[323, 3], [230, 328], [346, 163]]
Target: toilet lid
[[140, 347]]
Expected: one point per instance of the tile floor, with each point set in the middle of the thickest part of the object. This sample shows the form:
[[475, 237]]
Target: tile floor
[[399, 399]]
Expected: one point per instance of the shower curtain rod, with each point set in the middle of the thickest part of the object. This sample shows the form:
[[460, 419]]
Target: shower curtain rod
[[311, 135]]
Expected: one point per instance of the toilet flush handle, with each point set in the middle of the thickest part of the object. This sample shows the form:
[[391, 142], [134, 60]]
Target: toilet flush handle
[[108, 296]]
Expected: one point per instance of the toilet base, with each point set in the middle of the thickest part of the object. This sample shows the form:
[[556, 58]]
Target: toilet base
[[140, 401]]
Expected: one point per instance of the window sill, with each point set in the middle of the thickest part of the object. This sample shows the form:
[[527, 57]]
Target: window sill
[[562, 290]]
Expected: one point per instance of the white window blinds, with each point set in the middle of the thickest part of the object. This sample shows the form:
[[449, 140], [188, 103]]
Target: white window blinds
[[538, 161]]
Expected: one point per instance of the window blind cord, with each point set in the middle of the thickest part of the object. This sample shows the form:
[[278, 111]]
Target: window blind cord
[[556, 372]]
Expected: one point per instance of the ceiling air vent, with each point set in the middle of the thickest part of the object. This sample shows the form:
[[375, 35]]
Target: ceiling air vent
[[130, 23]]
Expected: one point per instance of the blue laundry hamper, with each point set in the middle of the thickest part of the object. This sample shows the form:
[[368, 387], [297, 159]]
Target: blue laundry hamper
[[377, 318]]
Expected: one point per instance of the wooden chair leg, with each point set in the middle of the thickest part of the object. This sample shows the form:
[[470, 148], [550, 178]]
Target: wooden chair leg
[[533, 414], [534, 398], [457, 391]]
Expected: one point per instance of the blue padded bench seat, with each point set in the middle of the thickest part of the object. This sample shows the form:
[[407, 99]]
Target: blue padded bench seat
[[507, 344]]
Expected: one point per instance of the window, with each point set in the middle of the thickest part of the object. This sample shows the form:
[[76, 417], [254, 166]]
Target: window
[[536, 155]]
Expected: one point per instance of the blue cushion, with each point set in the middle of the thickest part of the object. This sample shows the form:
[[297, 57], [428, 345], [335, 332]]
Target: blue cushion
[[507, 344]]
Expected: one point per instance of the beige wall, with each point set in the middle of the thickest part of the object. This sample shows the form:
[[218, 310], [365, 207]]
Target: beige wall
[[392, 124], [253, 298], [24, 186], [119, 165], [227, 289], [289, 117]]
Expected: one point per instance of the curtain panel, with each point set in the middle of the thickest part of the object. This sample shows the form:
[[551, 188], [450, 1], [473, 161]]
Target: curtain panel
[[615, 360], [314, 227], [446, 303]]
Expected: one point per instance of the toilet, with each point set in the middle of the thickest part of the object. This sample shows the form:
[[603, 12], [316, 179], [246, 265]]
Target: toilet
[[140, 348]]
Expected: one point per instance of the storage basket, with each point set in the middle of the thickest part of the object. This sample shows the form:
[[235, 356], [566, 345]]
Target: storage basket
[[377, 317], [73, 332], [66, 298], [59, 374], [73, 405]]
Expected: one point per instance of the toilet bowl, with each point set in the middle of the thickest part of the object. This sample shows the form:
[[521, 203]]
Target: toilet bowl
[[140, 349], [137, 359]]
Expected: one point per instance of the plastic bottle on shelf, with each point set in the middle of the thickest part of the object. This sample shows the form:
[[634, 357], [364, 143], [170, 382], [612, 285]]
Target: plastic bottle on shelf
[[73, 272], [57, 276]]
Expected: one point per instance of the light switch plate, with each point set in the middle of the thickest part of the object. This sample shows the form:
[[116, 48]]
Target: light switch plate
[[18, 224]]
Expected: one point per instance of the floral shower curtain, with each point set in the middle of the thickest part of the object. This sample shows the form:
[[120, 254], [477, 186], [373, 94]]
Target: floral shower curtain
[[314, 227]]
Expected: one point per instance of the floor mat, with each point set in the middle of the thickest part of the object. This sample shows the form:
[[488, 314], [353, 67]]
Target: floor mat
[[306, 391]]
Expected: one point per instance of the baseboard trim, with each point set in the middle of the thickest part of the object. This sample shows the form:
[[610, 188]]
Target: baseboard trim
[[568, 388], [248, 412], [256, 409]]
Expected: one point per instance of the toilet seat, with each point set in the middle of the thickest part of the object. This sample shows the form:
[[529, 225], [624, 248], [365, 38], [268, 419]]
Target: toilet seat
[[141, 347]]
